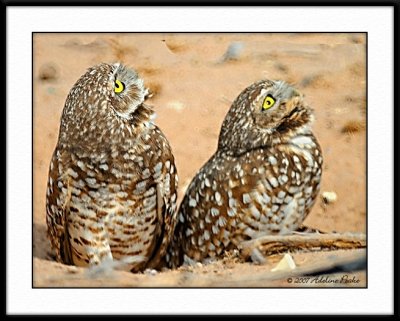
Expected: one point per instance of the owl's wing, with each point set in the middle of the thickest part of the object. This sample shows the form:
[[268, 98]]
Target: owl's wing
[[57, 207], [167, 216], [231, 201], [274, 194]]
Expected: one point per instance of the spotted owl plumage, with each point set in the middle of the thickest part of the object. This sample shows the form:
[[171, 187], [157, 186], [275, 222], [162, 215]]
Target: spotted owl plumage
[[112, 185], [263, 178]]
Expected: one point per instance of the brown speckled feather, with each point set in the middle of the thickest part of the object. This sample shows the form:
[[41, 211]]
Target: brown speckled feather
[[263, 179], [112, 180]]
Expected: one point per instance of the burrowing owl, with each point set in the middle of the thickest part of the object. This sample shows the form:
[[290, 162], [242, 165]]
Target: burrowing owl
[[263, 178], [112, 182]]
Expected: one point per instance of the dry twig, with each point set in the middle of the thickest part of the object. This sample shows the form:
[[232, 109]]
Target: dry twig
[[272, 244]]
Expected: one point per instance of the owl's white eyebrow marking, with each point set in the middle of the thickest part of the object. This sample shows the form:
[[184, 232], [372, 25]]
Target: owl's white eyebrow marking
[[117, 66], [279, 85], [261, 94]]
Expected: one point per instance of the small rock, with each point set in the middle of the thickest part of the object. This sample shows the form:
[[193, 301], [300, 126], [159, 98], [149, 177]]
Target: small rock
[[150, 271], [48, 72], [233, 52], [286, 264], [329, 197]]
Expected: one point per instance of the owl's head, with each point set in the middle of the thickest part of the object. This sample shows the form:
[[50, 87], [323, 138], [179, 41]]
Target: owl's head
[[262, 114], [105, 105], [107, 99], [107, 88]]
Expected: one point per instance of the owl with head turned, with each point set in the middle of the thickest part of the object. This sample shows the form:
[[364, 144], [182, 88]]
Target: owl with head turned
[[262, 180], [112, 183]]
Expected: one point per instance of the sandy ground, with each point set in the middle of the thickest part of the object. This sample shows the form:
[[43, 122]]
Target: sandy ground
[[193, 89]]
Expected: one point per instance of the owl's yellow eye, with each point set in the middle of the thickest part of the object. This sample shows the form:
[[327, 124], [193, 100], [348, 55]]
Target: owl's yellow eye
[[119, 86], [269, 101]]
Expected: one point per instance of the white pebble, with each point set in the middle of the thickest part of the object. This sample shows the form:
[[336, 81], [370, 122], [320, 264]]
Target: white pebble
[[329, 197]]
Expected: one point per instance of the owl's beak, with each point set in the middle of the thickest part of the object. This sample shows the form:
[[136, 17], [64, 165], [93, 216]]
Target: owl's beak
[[293, 104], [295, 93]]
